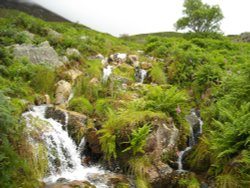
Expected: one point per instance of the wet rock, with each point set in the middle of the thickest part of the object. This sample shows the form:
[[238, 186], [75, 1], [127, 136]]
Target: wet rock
[[56, 114], [62, 180], [74, 122], [110, 179], [76, 126], [194, 122], [72, 184], [41, 54], [42, 99], [63, 90], [93, 142]]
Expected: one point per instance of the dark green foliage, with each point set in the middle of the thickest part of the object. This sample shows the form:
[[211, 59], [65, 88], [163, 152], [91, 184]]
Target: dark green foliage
[[81, 105], [138, 139], [200, 17], [14, 169]]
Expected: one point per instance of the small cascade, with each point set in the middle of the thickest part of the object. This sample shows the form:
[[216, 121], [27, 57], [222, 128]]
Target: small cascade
[[107, 72], [191, 142], [180, 156], [64, 160], [143, 74]]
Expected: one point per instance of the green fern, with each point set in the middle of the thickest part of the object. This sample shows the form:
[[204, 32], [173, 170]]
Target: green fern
[[138, 139]]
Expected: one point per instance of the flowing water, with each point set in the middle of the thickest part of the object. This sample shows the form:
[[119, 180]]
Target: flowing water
[[143, 74], [106, 72], [64, 160], [191, 143]]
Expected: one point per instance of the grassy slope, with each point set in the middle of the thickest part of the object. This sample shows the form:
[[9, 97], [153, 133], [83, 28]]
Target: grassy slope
[[214, 72]]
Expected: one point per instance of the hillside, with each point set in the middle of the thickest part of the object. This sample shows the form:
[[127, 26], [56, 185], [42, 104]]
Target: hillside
[[32, 9], [80, 108]]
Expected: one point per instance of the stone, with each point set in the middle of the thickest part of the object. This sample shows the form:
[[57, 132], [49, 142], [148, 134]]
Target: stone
[[54, 33], [72, 52], [162, 140], [72, 184], [132, 59], [72, 74], [96, 57], [118, 57], [146, 65], [42, 99], [244, 37], [93, 142], [94, 81], [110, 179], [41, 54], [28, 34], [74, 122], [63, 90]]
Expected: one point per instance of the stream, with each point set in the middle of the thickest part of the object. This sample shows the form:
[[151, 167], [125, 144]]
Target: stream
[[64, 160], [192, 139]]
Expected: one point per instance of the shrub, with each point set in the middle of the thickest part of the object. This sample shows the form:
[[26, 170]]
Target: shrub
[[157, 74], [81, 105]]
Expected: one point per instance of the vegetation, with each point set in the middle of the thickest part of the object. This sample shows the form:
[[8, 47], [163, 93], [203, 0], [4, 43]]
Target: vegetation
[[203, 70], [200, 17]]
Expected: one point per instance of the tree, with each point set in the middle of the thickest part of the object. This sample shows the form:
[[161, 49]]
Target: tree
[[200, 17]]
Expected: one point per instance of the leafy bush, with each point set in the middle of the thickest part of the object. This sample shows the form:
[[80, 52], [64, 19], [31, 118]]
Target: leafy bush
[[81, 105], [157, 74], [138, 139]]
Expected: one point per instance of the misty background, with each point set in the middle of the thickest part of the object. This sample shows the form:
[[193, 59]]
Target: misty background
[[141, 16]]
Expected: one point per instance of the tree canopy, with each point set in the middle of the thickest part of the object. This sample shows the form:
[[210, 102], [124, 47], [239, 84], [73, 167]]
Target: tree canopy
[[200, 17]]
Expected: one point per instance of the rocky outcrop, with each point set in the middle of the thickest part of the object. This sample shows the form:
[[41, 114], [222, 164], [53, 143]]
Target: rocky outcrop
[[42, 99], [132, 59], [72, 74], [194, 122], [41, 54], [118, 57], [54, 34], [63, 90], [73, 52], [146, 65], [74, 123], [92, 140], [161, 141]]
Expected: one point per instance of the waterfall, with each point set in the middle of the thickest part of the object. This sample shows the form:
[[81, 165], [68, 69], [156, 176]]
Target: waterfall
[[106, 72], [64, 159], [143, 74], [191, 142]]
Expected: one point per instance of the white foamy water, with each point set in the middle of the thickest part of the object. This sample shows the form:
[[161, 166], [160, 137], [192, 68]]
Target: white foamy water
[[64, 159], [143, 74], [106, 72], [190, 145], [180, 156]]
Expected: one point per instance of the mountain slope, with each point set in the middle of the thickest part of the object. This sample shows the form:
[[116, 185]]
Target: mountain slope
[[32, 9]]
